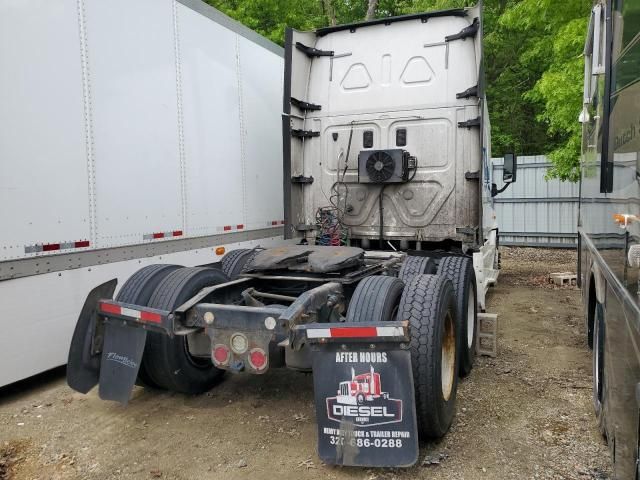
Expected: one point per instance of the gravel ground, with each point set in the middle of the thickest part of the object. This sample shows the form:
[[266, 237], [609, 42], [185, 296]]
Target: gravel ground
[[525, 414]]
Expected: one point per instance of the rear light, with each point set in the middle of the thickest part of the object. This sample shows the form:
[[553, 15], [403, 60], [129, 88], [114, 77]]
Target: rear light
[[221, 354], [239, 343], [257, 359]]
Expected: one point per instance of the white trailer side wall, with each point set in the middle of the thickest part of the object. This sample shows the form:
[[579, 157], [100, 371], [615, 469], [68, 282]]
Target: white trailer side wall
[[260, 129], [134, 102], [121, 120], [125, 119], [43, 157], [212, 142]]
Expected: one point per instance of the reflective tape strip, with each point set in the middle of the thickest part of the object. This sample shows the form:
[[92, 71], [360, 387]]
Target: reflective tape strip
[[130, 312], [249, 226], [351, 332], [390, 331], [54, 247], [160, 235], [319, 333], [355, 332]]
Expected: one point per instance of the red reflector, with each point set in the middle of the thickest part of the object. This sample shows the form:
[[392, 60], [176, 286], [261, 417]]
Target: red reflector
[[239, 227], [177, 233], [227, 228], [281, 222], [257, 358], [150, 317], [275, 222], [82, 244], [50, 247], [158, 235], [109, 308], [354, 332], [221, 354]]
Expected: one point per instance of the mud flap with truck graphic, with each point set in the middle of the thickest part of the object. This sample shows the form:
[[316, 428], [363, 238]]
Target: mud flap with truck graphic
[[364, 396]]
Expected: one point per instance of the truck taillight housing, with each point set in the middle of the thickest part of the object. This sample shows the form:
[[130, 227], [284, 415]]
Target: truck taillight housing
[[257, 359], [221, 354]]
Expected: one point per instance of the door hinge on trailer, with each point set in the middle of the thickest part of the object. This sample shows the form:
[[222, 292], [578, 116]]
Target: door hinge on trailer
[[301, 179], [466, 32], [305, 105], [468, 93], [299, 133], [472, 175], [313, 52], [475, 122]]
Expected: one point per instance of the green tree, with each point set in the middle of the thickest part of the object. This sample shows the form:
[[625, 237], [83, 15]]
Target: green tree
[[270, 18], [549, 62]]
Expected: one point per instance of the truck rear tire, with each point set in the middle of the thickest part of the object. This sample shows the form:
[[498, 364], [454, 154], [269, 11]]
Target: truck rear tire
[[235, 262], [375, 299], [428, 305], [413, 266], [167, 360], [137, 290], [461, 273]]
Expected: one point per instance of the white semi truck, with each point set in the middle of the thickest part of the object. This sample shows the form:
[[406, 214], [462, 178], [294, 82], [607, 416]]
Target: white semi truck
[[116, 119], [387, 200]]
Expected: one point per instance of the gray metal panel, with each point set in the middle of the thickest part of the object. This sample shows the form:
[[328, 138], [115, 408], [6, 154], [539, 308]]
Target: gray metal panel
[[70, 261], [535, 211], [220, 18]]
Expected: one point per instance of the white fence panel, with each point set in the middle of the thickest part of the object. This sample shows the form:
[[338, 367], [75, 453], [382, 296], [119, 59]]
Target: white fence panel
[[535, 212]]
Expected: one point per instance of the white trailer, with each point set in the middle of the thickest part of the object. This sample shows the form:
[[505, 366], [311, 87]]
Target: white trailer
[[117, 118]]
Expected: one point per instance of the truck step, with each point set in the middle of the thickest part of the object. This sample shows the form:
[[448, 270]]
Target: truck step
[[487, 335]]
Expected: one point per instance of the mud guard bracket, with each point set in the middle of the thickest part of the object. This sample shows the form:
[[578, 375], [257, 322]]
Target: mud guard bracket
[[364, 394]]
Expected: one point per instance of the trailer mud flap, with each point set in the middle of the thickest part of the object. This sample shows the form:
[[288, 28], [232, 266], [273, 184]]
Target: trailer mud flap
[[121, 357], [365, 402], [83, 363], [108, 343]]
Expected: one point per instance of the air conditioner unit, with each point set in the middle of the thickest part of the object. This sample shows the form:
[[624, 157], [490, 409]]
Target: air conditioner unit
[[383, 166]]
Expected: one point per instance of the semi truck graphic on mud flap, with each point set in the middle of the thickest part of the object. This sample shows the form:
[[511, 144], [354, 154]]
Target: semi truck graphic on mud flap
[[361, 388], [362, 402]]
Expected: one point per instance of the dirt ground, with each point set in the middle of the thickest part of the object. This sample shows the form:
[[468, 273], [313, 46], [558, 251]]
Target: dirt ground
[[525, 414]]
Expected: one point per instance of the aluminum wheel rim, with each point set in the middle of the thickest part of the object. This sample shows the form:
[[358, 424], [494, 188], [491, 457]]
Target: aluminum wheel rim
[[448, 356], [471, 317]]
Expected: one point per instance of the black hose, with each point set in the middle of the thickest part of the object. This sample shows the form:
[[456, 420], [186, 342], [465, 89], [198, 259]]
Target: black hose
[[381, 239]]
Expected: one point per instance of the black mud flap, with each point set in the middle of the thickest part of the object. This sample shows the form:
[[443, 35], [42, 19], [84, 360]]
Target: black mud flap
[[105, 351], [121, 357], [365, 402], [83, 363]]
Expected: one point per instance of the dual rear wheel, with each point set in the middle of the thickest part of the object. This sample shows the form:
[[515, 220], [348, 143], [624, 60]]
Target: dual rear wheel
[[166, 362], [427, 303]]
